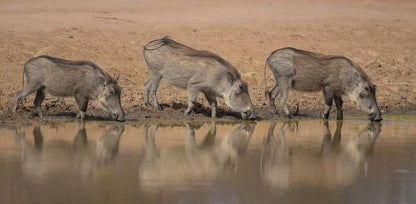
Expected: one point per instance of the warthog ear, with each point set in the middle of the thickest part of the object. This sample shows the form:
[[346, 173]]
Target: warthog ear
[[115, 78], [230, 78]]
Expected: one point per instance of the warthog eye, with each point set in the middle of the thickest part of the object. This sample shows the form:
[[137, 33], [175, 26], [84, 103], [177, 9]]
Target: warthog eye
[[364, 94], [240, 89], [111, 91], [367, 88]]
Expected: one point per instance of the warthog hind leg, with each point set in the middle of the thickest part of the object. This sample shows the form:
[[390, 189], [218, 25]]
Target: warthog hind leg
[[154, 84], [284, 84], [40, 95], [28, 89], [272, 96], [328, 97]]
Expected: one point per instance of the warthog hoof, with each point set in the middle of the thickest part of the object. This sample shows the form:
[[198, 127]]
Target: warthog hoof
[[158, 108], [289, 116], [80, 115]]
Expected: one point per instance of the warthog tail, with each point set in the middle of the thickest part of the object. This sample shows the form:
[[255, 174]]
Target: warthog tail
[[156, 44]]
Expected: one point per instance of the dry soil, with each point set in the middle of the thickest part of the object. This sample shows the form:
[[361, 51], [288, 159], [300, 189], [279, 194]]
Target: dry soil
[[379, 35]]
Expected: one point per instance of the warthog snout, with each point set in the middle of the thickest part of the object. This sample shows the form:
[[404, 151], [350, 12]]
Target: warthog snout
[[375, 116], [118, 116], [248, 114]]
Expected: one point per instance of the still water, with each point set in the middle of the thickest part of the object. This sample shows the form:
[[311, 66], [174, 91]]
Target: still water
[[310, 161]]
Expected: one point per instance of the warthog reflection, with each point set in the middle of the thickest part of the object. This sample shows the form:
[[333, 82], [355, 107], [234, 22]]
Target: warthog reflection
[[196, 163], [335, 166], [55, 155]]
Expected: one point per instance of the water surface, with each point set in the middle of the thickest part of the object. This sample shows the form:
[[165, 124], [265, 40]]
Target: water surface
[[313, 161]]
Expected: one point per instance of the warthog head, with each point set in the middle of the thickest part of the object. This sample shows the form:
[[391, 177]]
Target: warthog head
[[364, 95], [108, 144], [235, 143], [109, 99], [237, 98]]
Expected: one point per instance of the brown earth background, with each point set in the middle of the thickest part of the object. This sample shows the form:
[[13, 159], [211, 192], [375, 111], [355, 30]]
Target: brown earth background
[[379, 35]]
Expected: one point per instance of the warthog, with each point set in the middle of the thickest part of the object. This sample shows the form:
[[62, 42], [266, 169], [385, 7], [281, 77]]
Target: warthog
[[81, 79], [336, 166], [335, 75], [108, 143], [211, 160], [68, 155], [197, 71]]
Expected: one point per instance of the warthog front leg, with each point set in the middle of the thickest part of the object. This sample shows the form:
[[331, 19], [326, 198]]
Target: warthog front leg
[[192, 97], [326, 141], [17, 100], [338, 103], [81, 115], [146, 93], [209, 138], [151, 86], [190, 141], [82, 103], [149, 145], [326, 111], [213, 104], [80, 140]]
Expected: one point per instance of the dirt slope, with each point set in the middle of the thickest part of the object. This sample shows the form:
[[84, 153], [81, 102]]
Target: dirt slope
[[378, 35]]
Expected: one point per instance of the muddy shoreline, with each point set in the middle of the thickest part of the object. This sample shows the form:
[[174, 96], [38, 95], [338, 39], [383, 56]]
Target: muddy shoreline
[[175, 112]]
